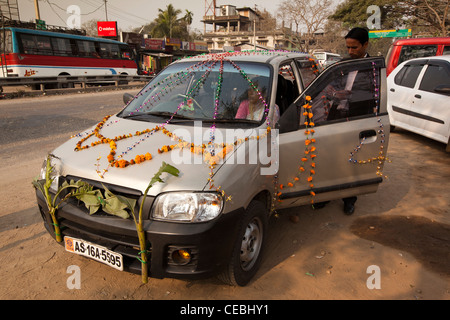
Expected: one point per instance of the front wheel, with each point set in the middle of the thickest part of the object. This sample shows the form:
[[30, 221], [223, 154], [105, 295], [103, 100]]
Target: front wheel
[[246, 256]]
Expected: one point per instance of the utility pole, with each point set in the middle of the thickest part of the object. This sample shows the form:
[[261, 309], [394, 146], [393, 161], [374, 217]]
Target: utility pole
[[106, 11], [254, 30], [36, 7]]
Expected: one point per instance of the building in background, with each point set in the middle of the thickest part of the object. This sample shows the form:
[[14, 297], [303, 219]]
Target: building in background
[[240, 29]]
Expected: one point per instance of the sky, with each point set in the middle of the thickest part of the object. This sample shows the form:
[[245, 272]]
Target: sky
[[128, 13]]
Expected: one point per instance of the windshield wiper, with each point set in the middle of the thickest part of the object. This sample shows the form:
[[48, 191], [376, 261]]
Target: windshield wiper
[[232, 121], [169, 114], [157, 114]]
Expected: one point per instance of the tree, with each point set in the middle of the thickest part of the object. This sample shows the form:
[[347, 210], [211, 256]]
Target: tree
[[268, 22], [90, 27], [431, 16], [310, 15], [431, 13], [188, 17], [353, 13], [167, 23]]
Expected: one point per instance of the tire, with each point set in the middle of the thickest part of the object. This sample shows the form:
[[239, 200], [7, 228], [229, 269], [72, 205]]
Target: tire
[[123, 82], [245, 259], [69, 85]]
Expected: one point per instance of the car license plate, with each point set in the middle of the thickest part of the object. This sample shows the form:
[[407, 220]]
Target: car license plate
[[94, 251]]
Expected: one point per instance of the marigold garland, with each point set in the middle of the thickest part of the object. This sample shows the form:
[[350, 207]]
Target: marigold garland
[[381, 158], [308, 156], [211, 158]]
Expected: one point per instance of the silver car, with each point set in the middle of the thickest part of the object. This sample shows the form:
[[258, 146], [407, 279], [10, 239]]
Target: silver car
[[249, 133]]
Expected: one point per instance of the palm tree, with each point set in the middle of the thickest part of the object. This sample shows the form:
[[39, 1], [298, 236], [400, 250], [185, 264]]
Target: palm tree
[[167, 22], [188, 18]]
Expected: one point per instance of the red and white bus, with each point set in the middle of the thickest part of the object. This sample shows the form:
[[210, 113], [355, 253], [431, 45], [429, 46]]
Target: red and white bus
[[36, 53]]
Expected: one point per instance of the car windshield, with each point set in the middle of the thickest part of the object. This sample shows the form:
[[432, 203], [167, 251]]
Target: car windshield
[[210, 90]]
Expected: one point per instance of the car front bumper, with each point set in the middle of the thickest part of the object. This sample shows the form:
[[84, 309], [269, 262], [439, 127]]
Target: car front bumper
[[209, 243]]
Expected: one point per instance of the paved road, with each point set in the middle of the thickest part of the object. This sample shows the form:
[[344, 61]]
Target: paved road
[[316, 258]]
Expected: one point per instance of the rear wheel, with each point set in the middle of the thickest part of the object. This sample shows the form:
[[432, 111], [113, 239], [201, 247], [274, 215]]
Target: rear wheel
[[246, 256], [67, 84], [123, 82]]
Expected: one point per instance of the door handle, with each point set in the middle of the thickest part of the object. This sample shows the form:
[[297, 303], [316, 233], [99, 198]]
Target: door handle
[[368, 136], [418, 96], [392, 90]]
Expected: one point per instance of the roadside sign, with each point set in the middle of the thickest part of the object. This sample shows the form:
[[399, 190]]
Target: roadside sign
[[107, 28], [40, 25], [373, 34]]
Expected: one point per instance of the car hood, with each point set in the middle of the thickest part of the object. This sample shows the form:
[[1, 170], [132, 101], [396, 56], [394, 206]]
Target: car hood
[[91, 163]]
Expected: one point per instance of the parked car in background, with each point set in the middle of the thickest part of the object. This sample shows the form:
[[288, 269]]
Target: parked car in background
[[213, 217], [404, 49], [419, 97]]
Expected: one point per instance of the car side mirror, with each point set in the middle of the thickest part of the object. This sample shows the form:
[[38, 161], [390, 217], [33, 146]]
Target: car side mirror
[[127, 97], [443, 88]]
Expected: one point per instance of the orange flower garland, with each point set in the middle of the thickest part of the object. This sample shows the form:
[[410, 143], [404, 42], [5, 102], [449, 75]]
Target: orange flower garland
[[211, 160], [308, 153]]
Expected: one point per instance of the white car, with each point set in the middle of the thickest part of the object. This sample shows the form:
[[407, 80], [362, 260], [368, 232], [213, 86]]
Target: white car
[[419, 97]]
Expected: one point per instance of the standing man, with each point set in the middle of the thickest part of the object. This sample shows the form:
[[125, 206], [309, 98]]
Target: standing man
[[356, 41]]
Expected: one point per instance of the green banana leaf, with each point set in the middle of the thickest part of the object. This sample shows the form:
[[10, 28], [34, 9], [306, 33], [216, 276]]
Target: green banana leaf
[[114, 205]]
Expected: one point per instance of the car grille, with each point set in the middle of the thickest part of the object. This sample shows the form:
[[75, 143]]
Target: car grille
[[115, 239]]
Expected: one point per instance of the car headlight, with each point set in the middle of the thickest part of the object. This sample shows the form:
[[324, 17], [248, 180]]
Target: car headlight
[[55, 173], [187, 206]]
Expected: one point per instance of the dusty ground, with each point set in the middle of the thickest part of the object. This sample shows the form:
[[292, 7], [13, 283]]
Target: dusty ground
[[404, 229]]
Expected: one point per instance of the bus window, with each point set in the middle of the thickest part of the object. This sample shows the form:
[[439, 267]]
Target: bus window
[[86, 48], [43, 45], [27, 43], [108, 52], [6, 41], [61, 47], [115, 52], [35, 44], [104, 50], [125, 53]]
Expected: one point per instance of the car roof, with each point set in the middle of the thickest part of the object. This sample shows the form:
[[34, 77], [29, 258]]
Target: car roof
[[444, 57], [250, 56], [421, 41]]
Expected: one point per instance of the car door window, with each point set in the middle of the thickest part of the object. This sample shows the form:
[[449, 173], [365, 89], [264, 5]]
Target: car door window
[[407, 77], [350, 92], [308, 69], [446, 50], [287, 89], [417, 51], [435, 75]]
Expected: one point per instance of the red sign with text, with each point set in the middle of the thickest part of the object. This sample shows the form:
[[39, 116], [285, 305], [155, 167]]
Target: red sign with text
[[107, 28]]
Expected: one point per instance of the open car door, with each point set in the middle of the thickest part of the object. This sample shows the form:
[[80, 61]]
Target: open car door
[[334, 137]]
